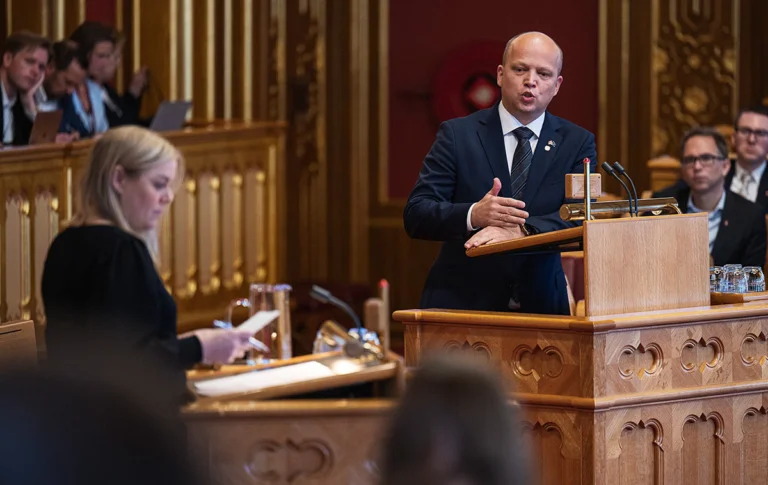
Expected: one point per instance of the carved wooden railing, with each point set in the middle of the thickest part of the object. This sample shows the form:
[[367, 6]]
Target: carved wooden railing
[[224, 229]]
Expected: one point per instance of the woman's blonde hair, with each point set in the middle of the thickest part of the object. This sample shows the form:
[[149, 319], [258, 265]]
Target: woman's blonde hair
[[136, 150]]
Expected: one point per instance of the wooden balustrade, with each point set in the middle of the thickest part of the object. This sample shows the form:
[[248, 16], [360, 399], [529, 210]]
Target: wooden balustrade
[[225, 228]]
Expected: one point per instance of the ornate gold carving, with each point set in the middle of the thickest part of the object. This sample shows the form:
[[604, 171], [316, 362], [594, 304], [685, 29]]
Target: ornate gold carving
[[537, 362], [640, 361], [479, 350], [694, 64], [701, 354], [695, 100], [273, 461], [17, 262], [46, 227], [753, 349]]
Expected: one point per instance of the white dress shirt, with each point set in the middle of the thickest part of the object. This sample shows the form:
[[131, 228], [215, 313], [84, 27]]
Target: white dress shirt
[[509, 124], [745, 183], [7, 135], [714, 217]]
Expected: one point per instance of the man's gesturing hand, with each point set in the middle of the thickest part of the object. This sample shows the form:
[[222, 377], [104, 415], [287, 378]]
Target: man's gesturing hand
[[492, 210]]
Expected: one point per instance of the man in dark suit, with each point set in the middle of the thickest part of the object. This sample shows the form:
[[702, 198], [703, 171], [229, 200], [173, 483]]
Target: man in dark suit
[[748, 176], [25, 56], [737, 232], [521, 153]]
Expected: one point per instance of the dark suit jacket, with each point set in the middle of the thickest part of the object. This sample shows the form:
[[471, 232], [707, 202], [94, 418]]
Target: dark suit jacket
[[22, 125], [457, 172], [741, 237], [125, 112], [762, 186]]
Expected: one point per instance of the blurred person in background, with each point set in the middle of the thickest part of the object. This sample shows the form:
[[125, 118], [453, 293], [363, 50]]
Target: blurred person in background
[[454, 426], [25, 56], [748, 176], [96, 106], [100, 285]]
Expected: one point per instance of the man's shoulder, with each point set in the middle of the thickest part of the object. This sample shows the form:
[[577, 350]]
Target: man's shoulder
[[748, 209], [565, 125], [480, 116]]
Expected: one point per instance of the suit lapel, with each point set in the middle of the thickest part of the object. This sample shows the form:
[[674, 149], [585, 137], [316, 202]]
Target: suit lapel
[[727, 237], [762, 190], [492, 140], [543, 158]]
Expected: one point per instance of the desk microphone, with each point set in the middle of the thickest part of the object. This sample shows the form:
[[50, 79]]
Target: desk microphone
[[620, 169], [324, 296], [610, 171]]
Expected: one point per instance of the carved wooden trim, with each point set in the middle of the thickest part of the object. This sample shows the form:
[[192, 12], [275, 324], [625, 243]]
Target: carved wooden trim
[[690, 362], [537, 362], [632, 353]]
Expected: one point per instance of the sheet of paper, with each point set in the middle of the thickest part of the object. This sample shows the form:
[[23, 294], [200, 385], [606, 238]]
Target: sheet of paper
[[257, 380], [259, 320]]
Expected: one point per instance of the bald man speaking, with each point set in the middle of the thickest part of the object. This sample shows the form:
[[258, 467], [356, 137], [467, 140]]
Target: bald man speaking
[[495, 175]]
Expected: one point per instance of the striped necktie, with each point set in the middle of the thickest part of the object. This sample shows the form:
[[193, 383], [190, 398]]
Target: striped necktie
[[521, 162]]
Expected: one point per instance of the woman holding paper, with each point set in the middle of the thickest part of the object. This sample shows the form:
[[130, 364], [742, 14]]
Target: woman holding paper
[[100, 286]]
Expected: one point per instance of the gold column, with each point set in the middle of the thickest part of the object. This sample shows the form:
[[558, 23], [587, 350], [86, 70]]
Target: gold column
[[203, 59], [359, 71]]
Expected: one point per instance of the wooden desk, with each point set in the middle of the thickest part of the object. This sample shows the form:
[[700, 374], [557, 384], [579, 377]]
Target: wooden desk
[[672, 396], [224, 229], [289, 442]]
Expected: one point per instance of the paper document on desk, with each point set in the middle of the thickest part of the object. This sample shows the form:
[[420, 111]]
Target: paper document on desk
[[259, 320], [261, 379]]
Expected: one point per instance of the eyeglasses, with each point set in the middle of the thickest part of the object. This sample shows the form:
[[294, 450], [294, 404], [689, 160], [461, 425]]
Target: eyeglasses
[[706, 160], [745, 132]]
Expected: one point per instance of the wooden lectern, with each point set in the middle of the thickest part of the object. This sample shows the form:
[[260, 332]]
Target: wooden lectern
[[653, 385], [631, 264]]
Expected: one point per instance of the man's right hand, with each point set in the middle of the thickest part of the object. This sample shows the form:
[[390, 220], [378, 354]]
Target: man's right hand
[[492, 210]]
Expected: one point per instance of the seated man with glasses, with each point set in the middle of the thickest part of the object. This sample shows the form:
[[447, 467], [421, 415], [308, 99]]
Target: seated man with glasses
[[737, 230], [748, 176]]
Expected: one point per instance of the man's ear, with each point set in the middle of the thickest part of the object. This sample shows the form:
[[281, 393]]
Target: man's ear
[[118, 179], [7, 59]]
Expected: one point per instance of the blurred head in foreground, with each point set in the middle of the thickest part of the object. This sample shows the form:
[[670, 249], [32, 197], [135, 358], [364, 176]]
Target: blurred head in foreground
[[62, 429], [454, 426]]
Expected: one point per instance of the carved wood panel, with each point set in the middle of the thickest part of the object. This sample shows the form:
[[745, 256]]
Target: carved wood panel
[[303, 449]]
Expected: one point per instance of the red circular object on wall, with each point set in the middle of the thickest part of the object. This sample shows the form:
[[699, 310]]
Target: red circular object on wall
[[466, 80]]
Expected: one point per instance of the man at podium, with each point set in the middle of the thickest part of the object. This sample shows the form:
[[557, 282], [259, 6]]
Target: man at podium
[[495, 175]]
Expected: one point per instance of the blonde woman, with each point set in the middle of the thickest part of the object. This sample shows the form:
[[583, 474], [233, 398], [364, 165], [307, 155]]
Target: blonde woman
[[100, 286]]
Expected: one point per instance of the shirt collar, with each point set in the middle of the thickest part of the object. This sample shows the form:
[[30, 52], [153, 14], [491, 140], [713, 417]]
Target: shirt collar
[[7, 102], [718, 208], [757, 173], [509, 123]]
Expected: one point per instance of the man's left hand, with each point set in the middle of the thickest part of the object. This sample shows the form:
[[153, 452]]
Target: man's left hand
[[494, 234]]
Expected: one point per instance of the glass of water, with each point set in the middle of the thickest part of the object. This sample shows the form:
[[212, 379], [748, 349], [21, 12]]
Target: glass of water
[[716, 279], [755, 278]]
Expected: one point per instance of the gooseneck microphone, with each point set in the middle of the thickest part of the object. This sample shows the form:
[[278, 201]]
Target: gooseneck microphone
[[324, 296], [610, 171], [620, 169]]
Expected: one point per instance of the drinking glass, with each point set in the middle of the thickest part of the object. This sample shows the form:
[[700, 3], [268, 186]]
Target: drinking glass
[[716, 279], [736, 281], [755, 278]]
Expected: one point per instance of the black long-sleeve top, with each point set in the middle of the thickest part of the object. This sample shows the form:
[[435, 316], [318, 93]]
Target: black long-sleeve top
[[100, 287]]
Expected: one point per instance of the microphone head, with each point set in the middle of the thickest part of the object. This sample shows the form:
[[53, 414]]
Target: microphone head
[[619, 168], [320, 294], [607, 167]]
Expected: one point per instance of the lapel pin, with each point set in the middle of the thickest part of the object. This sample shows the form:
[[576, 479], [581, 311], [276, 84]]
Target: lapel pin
[[547, 148], [725, 223], [766, 193], [551, 142]]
